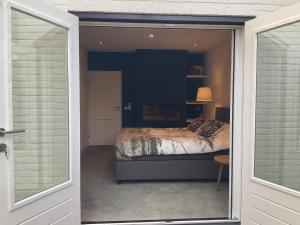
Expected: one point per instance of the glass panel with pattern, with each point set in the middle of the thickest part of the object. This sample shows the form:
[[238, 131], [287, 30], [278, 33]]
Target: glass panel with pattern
[[39, 104], [277, 132]]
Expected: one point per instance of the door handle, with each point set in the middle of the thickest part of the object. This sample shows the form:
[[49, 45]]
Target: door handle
[[116, 108], [4, 132], [128, 107]]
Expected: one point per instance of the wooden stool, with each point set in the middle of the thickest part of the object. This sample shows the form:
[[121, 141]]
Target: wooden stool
[[222, 160]]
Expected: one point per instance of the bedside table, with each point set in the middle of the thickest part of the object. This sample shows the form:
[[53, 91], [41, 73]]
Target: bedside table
[[223, 160]]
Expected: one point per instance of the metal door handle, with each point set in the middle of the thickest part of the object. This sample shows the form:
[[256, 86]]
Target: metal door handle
[[3, 132], [128, 107]]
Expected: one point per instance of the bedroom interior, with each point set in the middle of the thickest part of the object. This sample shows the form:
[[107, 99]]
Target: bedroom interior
[[155, 123]]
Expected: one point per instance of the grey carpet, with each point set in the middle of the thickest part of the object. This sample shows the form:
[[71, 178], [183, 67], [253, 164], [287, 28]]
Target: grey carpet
[[104, 200]]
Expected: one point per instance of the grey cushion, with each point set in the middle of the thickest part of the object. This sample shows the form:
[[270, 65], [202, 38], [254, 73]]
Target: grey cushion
[[195, 124], [209, 128]]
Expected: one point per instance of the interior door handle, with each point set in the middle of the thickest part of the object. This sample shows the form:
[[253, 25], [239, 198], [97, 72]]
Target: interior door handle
[[4, 132], [128, 107]]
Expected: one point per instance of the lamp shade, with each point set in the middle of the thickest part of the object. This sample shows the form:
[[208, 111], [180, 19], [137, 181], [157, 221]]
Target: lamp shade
[[204, 94]]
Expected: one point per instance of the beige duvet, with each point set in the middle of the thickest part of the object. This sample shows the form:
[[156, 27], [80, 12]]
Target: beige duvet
[[132, 142]]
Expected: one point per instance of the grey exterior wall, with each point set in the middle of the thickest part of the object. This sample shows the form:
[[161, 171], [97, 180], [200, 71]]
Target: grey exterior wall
[[177, 7]]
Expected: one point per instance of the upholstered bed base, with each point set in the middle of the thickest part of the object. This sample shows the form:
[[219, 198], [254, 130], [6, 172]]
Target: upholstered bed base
[[167, 170]]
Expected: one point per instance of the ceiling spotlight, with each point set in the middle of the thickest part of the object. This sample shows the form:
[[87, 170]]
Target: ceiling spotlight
[[151, 36], [100, 43], [195, 44]]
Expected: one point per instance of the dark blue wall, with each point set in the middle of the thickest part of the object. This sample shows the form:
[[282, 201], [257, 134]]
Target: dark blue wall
[[161, 76], [127, 63], [194, 59]]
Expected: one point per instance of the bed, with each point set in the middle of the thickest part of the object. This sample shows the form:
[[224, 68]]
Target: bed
[[170, 153]]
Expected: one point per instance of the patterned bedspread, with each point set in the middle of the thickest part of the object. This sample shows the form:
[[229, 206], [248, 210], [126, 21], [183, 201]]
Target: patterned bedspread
[[132, 142]]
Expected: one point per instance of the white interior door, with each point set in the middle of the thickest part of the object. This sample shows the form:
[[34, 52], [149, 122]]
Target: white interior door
[[271, 137], [39, 115], [105, 107]]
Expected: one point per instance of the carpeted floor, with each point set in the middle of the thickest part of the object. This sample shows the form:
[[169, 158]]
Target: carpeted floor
[[102, 199]]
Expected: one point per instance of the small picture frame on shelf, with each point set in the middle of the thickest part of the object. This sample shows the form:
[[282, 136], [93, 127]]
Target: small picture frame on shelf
[[197, 70]]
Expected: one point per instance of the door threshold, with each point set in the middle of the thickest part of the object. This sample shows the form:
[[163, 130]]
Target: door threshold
[[171, 222]]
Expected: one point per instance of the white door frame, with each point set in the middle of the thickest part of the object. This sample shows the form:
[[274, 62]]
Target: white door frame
[[237, 114], [237, 82], [68, 193]]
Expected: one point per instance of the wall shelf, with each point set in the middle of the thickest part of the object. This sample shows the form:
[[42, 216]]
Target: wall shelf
[[188, 120], [196, 76], [196, 103]]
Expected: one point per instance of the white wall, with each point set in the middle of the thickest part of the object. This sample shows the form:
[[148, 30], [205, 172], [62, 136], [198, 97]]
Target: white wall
[[192, 7], [217, 64], [83, 97]]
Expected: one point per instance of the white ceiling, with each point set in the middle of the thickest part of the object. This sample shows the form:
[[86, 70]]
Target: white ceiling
[[130, 39]]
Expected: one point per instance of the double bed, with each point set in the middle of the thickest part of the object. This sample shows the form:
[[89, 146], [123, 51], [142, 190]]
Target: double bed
[[170, 153]]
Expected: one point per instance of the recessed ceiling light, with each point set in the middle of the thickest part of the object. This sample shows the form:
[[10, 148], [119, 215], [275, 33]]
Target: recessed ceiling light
[[195, 44], [151, 36], [100, 43]]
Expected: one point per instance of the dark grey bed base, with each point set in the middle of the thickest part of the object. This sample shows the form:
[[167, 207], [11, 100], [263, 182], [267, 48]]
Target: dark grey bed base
[[173, 169], [167, 170]]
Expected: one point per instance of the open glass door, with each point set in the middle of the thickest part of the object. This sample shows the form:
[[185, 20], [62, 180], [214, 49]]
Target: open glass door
[[271, 138], [39, 114]]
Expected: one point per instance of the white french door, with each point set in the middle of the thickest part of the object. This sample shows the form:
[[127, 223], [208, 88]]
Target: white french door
[[271, 138], [39, 114]]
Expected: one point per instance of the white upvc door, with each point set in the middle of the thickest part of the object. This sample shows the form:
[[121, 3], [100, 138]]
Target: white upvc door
[[39, 115], [271, 136]]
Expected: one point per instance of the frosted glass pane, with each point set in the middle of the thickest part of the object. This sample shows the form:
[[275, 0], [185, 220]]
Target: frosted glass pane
[[39, 104], [277, 136]]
